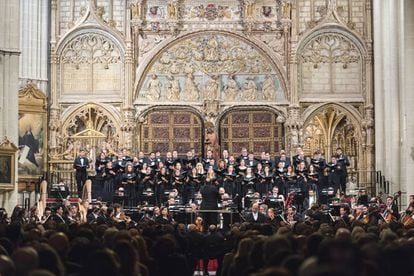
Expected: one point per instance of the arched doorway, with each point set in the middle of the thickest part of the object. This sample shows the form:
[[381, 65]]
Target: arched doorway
[[256, 130], [168, 129]]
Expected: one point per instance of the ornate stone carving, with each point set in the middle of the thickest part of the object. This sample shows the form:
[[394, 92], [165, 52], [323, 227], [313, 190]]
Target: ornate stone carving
[[201, 63], [91, 48], [231, 89], [276, 43], [331, 48], [174, 89], [149, 43], [268, 88]]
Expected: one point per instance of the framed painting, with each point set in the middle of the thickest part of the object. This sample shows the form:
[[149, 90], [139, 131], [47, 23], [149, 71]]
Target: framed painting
[[32, 158], [7, 165]]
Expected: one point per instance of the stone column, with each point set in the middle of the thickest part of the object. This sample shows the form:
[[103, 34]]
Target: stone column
[[9, 73], [407, 99], [393, 83], [34, 16]]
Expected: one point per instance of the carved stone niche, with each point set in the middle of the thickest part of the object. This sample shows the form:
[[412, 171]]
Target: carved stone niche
[[33, 135]]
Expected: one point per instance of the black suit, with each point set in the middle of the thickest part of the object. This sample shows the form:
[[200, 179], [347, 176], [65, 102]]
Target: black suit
[[211, 198], [80, 164], [260, 218]]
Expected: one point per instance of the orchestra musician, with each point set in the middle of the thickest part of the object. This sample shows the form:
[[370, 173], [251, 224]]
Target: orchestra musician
[[407, 218], [255, 216], [165, 217], [390, 212]]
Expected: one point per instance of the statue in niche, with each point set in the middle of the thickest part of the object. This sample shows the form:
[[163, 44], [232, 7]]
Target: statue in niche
[[268, 88], [249, 89], [231, 89], [191, 90], [136, 10], [211, 88], [294, 137], [154, 88], [172, 10], [286, 6], [173, 89], [249, 9], [211, 51]]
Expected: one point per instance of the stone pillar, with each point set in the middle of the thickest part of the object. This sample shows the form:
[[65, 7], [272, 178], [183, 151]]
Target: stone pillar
[[34, 17], [9, 76], [393, 83], [407, 99]]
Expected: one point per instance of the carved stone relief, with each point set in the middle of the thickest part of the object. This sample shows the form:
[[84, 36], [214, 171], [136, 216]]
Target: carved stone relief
[[210, 67]]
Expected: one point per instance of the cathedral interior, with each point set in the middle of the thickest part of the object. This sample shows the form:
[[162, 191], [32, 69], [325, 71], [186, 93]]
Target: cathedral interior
[[164, 75]]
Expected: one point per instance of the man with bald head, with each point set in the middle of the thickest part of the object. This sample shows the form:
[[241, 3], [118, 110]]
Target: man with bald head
[[255, 216]]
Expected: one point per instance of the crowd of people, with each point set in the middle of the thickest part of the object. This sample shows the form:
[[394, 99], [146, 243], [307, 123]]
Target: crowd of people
[[238, 177], [241, 216], [77, 239]]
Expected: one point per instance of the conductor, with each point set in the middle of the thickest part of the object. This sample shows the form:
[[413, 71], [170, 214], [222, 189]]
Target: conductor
[[211, 198]]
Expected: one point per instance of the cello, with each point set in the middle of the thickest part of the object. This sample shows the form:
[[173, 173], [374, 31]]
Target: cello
[[388, 215]]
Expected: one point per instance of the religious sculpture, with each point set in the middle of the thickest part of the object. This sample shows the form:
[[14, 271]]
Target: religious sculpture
[[211, 88], [136, 10], [231, 89], [286, 6], [250, 8], [191, 90], [173, 89], [249, 89], [211, 52], [154, 88], [268, 88], [172, 10]]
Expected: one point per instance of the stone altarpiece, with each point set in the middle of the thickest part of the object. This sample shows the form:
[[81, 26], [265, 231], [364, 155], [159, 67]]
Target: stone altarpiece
[[167, 74]]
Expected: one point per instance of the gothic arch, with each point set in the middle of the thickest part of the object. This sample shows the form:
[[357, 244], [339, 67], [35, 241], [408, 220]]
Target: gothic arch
[[103, 116], [328, 126], [96, 30], [332, 63], [276, 66]]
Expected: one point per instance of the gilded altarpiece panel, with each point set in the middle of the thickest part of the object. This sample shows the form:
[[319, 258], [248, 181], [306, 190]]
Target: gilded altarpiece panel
[[328, 130], [169, 130], [258, 131]]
